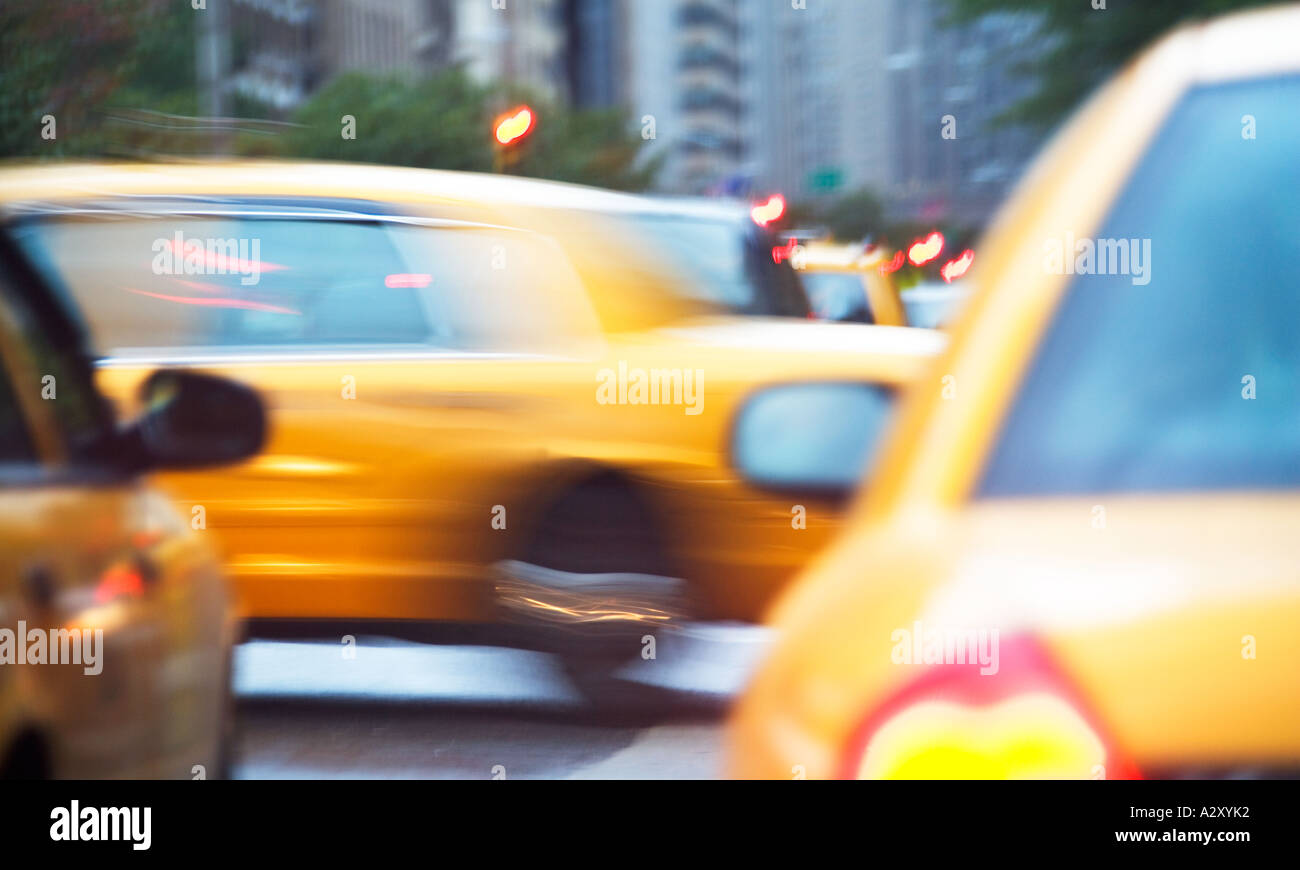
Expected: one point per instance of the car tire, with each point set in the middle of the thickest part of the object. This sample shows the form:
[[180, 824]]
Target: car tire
[[227, 725], [27, 758], [602, 527]]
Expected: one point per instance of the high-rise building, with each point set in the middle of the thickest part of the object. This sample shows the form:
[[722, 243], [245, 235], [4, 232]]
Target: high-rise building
[[817, 95], [946, 88], [596, 51], [857, 95], [810, 98], [292, 47], [684, 76], [513, 41]]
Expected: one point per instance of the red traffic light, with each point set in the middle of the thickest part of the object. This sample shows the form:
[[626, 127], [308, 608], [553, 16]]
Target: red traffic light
[[514, 125]]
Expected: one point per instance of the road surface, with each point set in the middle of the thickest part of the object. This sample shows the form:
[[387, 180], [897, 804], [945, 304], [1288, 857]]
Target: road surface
[[382, 709]]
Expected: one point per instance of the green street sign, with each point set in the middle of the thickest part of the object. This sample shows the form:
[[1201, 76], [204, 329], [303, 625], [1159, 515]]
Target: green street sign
[[826, 179]]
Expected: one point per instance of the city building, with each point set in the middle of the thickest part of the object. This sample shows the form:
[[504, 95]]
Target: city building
[[290, 48], [597, 38], [880, 95], [946, 87], [513, 41], [810, 98], [685, 81], [817, 93]]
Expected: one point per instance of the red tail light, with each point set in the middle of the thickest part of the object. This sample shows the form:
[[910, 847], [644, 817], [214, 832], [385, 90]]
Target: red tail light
[[767, 212], [954, 722], [119, 581]]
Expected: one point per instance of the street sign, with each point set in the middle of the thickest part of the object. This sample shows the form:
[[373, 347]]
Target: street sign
[[828, 179]]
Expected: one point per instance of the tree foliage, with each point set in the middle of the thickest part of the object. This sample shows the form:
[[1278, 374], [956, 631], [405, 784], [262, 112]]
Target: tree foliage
[[101, 66], [1081, 45], [855, 216], [445, 122], [71, 58]]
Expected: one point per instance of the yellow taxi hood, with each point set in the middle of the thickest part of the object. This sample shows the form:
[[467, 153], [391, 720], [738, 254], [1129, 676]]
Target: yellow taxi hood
[[628, 286]]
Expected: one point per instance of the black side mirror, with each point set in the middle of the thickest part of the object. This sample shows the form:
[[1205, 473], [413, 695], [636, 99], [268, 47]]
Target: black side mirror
[[810, 438], [192, 420]]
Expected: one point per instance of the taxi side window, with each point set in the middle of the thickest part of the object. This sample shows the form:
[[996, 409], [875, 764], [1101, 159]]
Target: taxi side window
[[1178, 368], [299, 283], [497, 289], [15, 442], [62, 378], [16, 448], [185, 282], [325, 283]]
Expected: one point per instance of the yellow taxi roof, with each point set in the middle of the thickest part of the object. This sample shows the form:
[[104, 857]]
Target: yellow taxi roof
[[625, 282]]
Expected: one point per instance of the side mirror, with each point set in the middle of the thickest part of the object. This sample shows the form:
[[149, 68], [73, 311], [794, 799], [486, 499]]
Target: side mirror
[[810, 438], [193, 420]]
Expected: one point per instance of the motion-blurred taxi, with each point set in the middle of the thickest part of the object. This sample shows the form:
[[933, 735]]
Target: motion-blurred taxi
[[1079, 556], [733, 262], [847, 282], [463, 372], [115, 624]]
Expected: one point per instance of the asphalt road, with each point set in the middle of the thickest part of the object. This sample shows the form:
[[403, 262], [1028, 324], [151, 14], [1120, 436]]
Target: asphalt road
[[403, 710]]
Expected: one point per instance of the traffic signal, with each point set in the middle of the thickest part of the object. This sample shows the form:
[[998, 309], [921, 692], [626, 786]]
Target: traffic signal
[[513, 126]]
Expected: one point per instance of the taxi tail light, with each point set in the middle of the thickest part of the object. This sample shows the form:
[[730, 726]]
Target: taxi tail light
[[1028, 712]]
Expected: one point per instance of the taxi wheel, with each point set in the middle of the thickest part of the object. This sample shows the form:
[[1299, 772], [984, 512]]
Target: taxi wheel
[[599, 527], [26, 758], [227, 724], [603, 527]]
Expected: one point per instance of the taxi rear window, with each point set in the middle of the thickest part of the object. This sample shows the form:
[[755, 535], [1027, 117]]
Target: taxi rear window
[[1172, 363]]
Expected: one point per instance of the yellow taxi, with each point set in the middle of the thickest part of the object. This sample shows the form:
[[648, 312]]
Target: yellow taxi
[[848, 282], [1079, 555], [116, 626], [470, 378]]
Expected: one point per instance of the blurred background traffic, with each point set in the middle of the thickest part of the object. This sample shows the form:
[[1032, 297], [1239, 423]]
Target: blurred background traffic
[[492, 388]]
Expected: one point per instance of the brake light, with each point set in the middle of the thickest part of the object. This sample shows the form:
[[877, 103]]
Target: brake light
[[1023, 722], [770, 211], [780, 253], [893, 265], [954, 269], [119, 581], [924, 250]]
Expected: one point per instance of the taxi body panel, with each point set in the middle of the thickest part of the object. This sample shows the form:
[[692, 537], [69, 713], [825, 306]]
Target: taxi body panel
[[91, 556], [882, 300], [1147, 605], [386, 467]]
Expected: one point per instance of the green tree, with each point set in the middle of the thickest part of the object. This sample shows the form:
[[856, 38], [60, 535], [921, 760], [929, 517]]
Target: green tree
[[594, 147], [1083, 45], [435, 122], [855, 216], [73, 58], [445, 122]]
